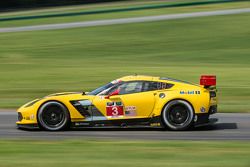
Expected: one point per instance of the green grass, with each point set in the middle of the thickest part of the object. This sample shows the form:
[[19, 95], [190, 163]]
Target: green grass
[[138, 13], [124, 153], [34, 64]]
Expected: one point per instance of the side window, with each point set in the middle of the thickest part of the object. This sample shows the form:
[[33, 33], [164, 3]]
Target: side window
[[130, 87], [150, 86], [138, 86]]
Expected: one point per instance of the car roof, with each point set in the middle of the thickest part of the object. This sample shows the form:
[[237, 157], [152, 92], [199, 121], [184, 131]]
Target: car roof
[[138, 77], [152, 78]]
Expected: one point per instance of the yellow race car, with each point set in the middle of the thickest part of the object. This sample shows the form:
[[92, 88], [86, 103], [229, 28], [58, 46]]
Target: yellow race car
[[128, 101]]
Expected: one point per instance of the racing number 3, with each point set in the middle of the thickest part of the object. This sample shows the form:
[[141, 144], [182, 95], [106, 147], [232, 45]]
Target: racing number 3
[[114, 111]]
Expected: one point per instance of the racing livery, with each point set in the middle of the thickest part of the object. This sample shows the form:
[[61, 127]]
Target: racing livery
[[128, 101]]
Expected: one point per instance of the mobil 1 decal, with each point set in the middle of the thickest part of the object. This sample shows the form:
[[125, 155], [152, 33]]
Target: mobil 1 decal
[[114, 109], [190, 92]]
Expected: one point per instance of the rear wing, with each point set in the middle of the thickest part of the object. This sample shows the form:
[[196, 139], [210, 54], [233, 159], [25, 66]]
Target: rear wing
[[208, 81]]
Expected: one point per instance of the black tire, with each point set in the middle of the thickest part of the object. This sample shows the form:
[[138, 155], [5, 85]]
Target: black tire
[[53, 116], [178, 115]]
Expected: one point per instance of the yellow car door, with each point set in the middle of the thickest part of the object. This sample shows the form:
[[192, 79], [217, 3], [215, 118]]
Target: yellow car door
[[138, 105], [125, 101]]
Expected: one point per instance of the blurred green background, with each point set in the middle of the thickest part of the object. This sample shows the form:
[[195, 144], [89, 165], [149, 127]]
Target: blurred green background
[[34, 64], [113, 153]]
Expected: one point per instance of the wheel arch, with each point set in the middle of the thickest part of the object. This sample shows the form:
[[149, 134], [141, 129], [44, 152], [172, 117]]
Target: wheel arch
[[163, 123], [177, 99], [52, 101]]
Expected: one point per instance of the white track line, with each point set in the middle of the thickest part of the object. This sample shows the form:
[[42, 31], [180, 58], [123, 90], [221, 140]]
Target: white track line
[[124, 20]]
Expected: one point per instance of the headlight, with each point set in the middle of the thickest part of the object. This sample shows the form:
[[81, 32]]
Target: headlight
[[19, 116]]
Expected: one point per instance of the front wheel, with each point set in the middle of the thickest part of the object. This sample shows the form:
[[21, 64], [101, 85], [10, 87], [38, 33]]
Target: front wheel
[[53, 116], [178, 115]]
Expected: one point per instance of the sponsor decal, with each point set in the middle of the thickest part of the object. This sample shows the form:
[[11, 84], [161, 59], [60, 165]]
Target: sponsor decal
[[203, 109], [32, 116], [110, 103], [82, 124], [155, 124], [192, 92], [130, 111], [118, 103], [114, 109]]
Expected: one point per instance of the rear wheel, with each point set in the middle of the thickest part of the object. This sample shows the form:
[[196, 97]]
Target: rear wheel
[[178, 115], [53, 116]]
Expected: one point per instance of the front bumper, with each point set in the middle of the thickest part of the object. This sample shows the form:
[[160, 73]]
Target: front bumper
[[26, 120], [27, 126]]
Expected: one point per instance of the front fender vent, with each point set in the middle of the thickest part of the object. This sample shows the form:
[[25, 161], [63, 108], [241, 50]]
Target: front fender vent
[[83, 110]]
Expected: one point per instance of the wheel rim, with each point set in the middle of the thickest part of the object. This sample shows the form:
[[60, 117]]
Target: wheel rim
[[53, 116], [178, 115]]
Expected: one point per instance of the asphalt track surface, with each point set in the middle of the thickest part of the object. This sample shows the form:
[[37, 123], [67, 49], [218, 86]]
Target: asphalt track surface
[[229, 127], [124, 20]]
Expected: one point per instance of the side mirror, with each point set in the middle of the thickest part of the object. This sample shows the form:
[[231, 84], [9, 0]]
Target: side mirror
[[85, 93], [116, 92]]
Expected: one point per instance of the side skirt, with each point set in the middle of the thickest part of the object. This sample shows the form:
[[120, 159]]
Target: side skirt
[[119, 123], [28, 126]]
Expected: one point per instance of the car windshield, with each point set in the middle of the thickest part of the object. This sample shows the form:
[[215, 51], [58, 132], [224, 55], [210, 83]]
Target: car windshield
[[101, 89]]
